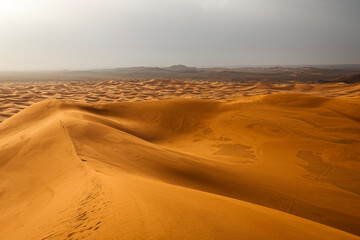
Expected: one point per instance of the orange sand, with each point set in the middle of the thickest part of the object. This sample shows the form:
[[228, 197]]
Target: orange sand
[[15, 96], [280, 166]]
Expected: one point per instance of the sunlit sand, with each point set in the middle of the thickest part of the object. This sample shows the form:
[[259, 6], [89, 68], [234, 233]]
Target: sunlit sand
[[164, 159]]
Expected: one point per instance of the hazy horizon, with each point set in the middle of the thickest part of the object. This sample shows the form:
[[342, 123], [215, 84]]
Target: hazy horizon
[[78, 35], [295, 66]]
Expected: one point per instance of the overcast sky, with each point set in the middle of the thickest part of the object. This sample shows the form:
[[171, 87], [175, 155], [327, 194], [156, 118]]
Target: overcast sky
[[83, 34]]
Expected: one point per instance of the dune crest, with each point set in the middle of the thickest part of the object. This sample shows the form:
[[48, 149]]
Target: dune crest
[[283, 166]]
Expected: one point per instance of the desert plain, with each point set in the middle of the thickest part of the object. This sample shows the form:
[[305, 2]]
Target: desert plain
[[179, 159]]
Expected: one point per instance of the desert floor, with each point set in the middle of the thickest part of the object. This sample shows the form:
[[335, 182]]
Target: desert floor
[[210, 160]]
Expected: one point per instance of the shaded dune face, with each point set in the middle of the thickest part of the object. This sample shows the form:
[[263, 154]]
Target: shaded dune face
[[283, 166]]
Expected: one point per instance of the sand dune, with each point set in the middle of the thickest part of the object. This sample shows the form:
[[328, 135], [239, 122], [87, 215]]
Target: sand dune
[[15, 96], [280, 166]]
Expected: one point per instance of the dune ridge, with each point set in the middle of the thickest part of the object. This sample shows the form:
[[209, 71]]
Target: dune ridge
[[280, 166]]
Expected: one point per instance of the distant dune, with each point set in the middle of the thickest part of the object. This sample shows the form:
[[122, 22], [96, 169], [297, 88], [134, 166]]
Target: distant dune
[[279, 166], [15, 96]]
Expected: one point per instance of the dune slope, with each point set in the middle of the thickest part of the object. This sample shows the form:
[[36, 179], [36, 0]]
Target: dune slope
[[282, 166]]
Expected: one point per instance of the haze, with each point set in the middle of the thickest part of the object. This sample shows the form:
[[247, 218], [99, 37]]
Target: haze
[[83, 34]]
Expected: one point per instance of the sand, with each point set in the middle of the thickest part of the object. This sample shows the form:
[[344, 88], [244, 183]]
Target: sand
[[17, 95], [240, 163]]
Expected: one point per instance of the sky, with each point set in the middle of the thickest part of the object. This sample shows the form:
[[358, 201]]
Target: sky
[[88, 34]]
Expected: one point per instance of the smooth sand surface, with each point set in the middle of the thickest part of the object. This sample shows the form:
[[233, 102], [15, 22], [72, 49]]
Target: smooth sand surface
[[279, 166]]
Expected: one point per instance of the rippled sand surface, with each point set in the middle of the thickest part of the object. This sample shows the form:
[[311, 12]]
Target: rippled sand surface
[[16, 95]]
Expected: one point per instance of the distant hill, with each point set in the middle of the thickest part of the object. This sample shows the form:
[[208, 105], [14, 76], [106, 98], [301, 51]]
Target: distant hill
[[269, 74], [179, 67]]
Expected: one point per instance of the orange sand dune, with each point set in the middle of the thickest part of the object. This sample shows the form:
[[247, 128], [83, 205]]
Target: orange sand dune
[[15, 96], [281, 166]]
